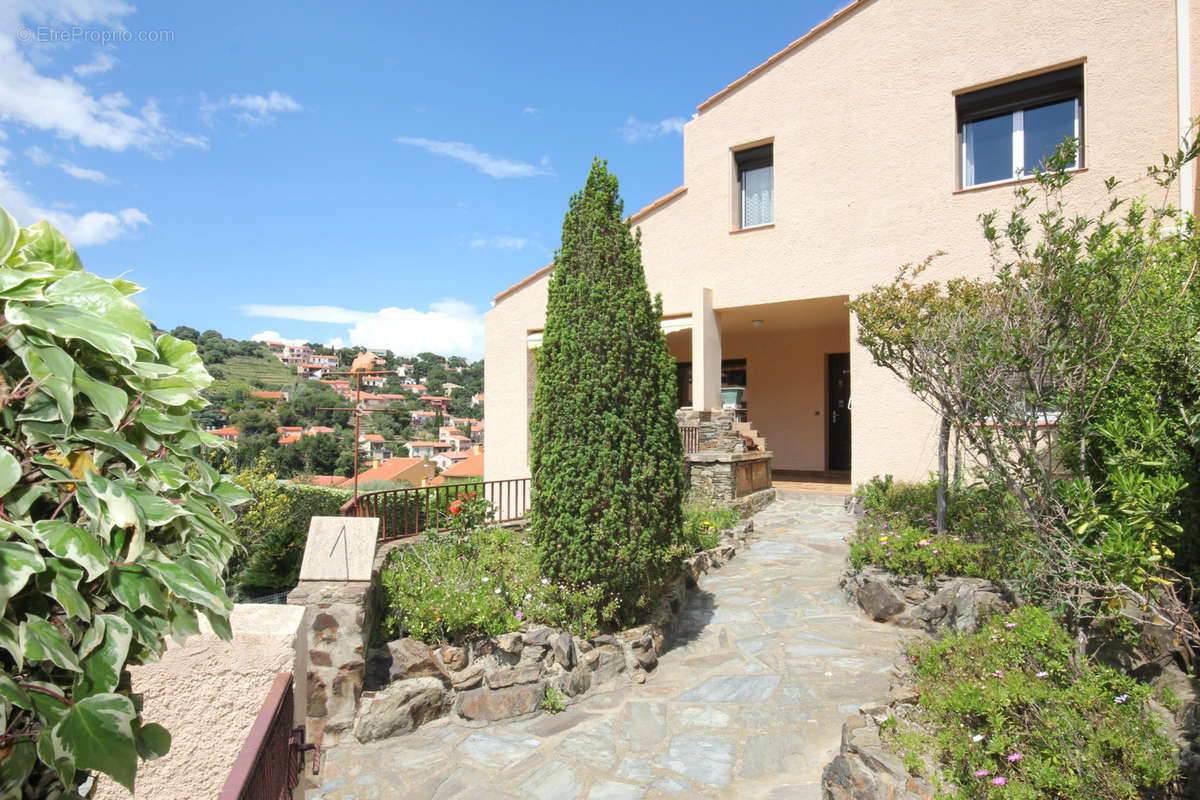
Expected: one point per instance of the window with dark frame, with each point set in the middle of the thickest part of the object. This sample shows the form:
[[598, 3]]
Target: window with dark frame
[[756, 185], [1006, 131]]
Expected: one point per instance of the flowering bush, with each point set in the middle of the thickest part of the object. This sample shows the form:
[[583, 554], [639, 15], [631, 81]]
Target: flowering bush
[[898, 531], [478, 579], [703, 521], [1008, 714]]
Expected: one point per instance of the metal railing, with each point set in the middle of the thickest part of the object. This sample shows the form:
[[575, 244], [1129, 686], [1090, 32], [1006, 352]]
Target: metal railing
[[409, 511], [691, 438], [272, 758]]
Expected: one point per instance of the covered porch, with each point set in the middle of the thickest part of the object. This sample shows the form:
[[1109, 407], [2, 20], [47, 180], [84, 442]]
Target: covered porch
[[790, 361]]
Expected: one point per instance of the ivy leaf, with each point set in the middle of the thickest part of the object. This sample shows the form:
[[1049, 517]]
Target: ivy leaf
[[96, 297], [18, 561], [49, 707], [182, 355], [9, 231], [135, 588], [111, 401], [10, 468], [153, 741], [16, 767], [184, 583], [51, 367], [157, 510], [183, 621], [42, 242], [114, 442], [66, 322], [13, 693], [41, 641], [102, 667], [73, 544], [10, 640], [63, 590], [97, 734]]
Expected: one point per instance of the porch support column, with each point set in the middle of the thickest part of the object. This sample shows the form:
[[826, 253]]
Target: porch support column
[[706, 353]]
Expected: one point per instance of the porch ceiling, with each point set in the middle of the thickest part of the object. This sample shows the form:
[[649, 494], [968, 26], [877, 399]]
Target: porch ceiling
[[821, 312]]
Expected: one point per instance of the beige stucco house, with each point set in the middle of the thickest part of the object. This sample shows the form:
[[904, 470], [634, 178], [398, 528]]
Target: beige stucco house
[[874, 140]]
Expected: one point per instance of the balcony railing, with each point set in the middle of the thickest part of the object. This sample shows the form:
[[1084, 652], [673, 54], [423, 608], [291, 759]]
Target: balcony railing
[[691, 438], [409, 511]]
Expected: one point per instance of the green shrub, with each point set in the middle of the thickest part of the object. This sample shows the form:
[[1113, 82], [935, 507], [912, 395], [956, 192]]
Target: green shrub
[[1008, 714], [703, 521], [985, 537], [607, 476], [554, 701], [274, 528], [470, 581]]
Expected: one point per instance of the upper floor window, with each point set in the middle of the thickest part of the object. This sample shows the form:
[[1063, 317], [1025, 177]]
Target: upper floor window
[[756, 185], [1007, 130]]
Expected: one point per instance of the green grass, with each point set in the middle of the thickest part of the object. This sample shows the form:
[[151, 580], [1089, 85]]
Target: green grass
[[263, 372]]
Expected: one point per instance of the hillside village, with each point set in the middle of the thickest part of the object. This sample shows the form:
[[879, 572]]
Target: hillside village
[[289, 404]]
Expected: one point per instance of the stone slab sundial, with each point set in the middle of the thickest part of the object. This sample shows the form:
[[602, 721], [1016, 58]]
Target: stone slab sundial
[[339, 549]]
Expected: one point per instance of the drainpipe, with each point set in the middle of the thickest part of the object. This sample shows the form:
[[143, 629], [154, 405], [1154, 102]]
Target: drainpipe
[[1187, 187]]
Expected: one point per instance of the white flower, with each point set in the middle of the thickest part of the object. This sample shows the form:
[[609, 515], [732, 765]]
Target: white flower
[[545, 581], [528, 597], [485, 580], [977, 737], [496, 592]]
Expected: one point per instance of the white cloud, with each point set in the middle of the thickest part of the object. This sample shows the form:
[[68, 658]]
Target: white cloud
[[531, 111], [92, 227], [63, 105], [494, 166], [635, 130], [102, 62], [275, 336], [448, 326], [501, 242], [83, 173], [38, 156], [254, 109], [43, 159]]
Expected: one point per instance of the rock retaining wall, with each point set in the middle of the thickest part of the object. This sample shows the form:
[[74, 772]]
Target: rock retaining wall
[[507, 676], [909, 601]]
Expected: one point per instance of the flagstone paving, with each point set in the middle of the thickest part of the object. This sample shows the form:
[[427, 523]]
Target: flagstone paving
[[748, 702]]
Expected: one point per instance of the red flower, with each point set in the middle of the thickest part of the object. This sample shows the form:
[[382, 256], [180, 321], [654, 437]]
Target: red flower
[[456, 506]]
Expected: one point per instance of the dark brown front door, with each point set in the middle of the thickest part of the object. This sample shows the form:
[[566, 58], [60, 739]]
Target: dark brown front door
[[839, 410]]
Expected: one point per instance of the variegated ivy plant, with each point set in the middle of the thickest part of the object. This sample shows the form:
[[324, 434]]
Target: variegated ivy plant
[[113, 530]]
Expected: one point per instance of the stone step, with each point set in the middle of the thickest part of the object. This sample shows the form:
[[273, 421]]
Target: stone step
[[745, 429]]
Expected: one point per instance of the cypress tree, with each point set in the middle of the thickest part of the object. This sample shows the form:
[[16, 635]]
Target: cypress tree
[[606, 455]]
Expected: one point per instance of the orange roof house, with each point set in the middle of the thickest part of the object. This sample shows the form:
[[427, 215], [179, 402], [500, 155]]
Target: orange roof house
[[289, 439], [415, 471], [468, 469], [229, 434]]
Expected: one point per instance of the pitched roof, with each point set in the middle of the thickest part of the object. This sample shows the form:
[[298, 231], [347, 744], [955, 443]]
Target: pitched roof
[[321, 480], [679, 191], [429, 444], [389, 470], [290, 439], [229, 431], [835, 18], [371, 437], [470, 467]]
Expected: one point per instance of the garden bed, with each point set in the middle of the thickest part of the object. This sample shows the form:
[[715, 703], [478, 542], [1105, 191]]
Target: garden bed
[[516, 673]]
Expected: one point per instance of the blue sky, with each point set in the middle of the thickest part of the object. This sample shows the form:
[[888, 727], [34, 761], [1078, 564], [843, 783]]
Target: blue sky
[[352, 173]]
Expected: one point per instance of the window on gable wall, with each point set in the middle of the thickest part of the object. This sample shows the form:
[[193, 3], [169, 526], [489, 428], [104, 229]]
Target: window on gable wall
[[756, 185], [1007, 130]]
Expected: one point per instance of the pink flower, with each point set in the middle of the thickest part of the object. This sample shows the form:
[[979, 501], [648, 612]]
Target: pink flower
[[1041, 674], [1014, 756], [997, 674], [517, 615], [935, 549], [924, 543], [1010, 624], [999, 780], [979, 773]]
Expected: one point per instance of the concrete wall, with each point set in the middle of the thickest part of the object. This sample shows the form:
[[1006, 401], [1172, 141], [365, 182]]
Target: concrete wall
[[862, 118], [207, 693]]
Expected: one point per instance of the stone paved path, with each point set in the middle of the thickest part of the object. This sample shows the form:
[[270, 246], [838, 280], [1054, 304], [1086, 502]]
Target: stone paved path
[[748, 702]]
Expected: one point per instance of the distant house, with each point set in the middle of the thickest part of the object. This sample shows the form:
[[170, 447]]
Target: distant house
[[418, 389], [328, 361], [374, 381], [375, 446], [449, 387], [427, 449], [435, 401], [468, 470], [321, 480], [448, 459], [290, 438], [289, 429], [315, 429], [421, 417], [291, 353], [229, 434], [276, 396], [415, 471], [310, 371]]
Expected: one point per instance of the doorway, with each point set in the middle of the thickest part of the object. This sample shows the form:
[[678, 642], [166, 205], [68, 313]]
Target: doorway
[[838, 419]]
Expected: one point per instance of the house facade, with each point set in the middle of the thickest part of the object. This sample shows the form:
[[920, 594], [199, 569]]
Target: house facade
[[873, 141]]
